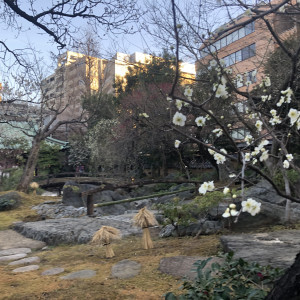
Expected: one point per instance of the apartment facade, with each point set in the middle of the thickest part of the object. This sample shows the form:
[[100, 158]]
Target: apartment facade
[[78, 74], [246, 49]]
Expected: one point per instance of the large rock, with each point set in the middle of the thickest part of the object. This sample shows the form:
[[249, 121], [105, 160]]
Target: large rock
[[74, 230], [10, 239], [277, 249], [71, 194], [9, 201], [71, 197], [273, 205], [203, 227], [183, 266]]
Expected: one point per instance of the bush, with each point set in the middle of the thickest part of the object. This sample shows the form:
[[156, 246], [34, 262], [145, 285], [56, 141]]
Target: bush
[[234, 279], [178, 213], [11, 182], [9, 201]]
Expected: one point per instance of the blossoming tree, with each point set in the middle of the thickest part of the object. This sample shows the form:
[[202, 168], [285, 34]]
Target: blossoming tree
[[270, 115]]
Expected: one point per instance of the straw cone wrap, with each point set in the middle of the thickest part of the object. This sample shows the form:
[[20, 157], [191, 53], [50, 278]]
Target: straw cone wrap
[[145, 219], [104, 236]]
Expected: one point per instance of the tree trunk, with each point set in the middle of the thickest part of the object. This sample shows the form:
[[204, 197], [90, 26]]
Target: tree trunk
[[288, 286], [287, 215], [28, 172]]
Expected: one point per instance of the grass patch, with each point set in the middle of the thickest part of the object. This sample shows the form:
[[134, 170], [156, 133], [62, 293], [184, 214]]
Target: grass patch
[[149, 284], [24, 212]]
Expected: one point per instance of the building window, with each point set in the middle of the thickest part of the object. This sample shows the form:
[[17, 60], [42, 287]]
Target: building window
[[229, 39], [240, 55], [239, 133], [251, 76]]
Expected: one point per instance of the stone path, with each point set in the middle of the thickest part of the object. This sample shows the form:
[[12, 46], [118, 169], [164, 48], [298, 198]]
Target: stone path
[[20, 257]]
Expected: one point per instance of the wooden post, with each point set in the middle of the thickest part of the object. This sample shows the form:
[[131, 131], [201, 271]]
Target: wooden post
[[90, 205]]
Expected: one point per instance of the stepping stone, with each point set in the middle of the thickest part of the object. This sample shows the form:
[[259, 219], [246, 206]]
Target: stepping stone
[[13, 251], [182, 266], [11, 239], [80, 274], [26, 269], [125, 269], [25, 261], [13, 257], [53, 271]]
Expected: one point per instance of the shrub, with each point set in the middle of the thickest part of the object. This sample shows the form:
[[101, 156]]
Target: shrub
[[11, 182], [234, 279], [9, 201], [178, 213]]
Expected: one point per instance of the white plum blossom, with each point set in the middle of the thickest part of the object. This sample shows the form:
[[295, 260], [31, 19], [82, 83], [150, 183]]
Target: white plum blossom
[[254, 161], [203, 188], [219, 158], [273, 112], [289, 157], [169, 99], [226, 214], [177, 143], [255, 152], [288, 94], [228, 70], [179, 119], [230, 211], [251, 206], [145, 115], [265, 98], [293, 114], [178, 104], [232, 175], [218, 132], [275, 120], [211, 152], [264, 155], [200, 121], [213, 63], [247, 156], [280, 102], [210, 186], [226, 190], [286, 164], [258, 125], [233, 212], [221, 91], [239, 79], [248, 139], [234, 196], [206, 186], [267, 81], [223, 150], [262, 144], [188, 92]]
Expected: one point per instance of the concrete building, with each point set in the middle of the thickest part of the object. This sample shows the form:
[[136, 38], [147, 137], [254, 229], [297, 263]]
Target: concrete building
[[245, 49], [78, 74]]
